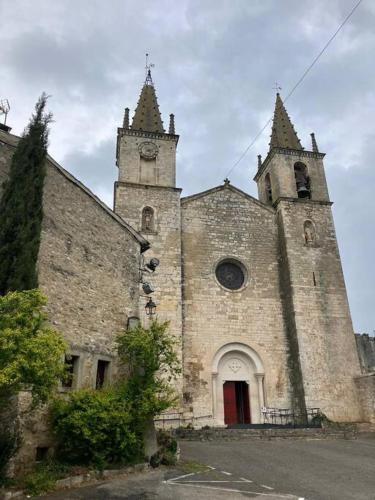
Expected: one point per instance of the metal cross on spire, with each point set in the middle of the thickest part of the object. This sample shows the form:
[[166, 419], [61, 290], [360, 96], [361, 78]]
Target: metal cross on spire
[[148, 67], [4, 109], [276, 87]]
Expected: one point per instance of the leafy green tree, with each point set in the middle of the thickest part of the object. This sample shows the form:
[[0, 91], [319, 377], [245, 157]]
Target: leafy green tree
[[21, 209], [108, 425], [31, 352], [150, 356]]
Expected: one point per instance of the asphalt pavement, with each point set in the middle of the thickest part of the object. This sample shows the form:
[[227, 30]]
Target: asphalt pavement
[[269, 470], [327, 469]]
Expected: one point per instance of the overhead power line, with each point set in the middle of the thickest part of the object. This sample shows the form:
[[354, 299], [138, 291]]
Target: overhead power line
[[299, 81]]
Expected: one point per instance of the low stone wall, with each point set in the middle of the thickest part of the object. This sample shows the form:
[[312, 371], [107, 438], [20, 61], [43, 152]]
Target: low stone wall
[[366, 391], [81, 479], [217, 434]]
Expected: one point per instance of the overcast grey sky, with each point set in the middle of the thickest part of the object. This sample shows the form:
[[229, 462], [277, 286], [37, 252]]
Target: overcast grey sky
[[216, 62]]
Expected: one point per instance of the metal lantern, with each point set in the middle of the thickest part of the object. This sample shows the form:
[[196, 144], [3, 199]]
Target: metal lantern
[[150, 307]]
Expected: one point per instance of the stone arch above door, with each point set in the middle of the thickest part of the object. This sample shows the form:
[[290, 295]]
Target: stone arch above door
[[237, 362]]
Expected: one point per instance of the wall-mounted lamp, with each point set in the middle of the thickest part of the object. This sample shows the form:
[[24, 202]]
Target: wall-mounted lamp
[[150, 307], [153, 264], [147, 288]]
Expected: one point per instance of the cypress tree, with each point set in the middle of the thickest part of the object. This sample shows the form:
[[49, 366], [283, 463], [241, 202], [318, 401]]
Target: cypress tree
[[21, 206]]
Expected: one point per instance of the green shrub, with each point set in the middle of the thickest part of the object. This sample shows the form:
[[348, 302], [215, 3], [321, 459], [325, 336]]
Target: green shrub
[[39, 481], [107, 426], [166, 441], [169, 458], [167, 452], [96, 427], [9, 441]]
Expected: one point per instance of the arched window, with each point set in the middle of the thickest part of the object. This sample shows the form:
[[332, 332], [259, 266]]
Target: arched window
[[302, 180], [267, 182], [148, 222], [309, 232]]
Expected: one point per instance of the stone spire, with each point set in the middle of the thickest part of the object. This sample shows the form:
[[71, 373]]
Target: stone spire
[[283, 133], [147, 115], [125, 123], [313, 143], [171, 124]]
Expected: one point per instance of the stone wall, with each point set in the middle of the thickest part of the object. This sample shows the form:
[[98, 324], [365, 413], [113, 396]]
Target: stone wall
[[226, 223], [88, 266], [366, 352], [319, 309], [366, 390], [165, 240]]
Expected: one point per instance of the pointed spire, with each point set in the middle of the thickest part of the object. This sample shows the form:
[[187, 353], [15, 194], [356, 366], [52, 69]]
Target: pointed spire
[[126, 119], [259, 161], [147, 115], [171, 124], [283, 133], [314, 144]]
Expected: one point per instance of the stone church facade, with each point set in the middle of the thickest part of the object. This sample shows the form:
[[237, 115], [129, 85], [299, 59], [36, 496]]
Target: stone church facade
[[253, 288]]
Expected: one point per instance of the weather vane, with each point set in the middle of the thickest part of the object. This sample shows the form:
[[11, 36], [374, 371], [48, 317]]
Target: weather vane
[[148, 70], [4, 109], [276, 87]]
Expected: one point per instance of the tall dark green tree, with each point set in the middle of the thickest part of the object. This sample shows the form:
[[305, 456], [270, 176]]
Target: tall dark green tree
[[21, 206]]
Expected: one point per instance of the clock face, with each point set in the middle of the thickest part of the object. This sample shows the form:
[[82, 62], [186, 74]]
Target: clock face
[[148, 150]]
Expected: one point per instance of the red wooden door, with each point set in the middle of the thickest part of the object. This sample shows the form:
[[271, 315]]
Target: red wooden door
[[230, 405], [246, 404]]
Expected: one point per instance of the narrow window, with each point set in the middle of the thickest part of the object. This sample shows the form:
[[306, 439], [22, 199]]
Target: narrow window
[[302, 180], [267, 182], [147, 220], [101, 373], [41, 453], [314, 279], [71, 363], [309, 232]]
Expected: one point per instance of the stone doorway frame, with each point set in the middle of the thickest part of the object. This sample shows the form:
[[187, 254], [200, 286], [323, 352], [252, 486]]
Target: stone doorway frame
[[252, 365]]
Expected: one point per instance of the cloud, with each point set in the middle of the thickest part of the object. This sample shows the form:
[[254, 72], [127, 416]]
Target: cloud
[[216, 64]]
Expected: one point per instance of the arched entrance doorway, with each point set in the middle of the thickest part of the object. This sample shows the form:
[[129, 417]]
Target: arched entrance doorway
[[237, 385]]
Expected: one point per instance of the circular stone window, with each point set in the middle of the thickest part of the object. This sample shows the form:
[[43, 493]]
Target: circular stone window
[[231, 274]]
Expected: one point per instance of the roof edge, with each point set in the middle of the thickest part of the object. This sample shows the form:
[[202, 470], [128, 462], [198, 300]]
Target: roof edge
[[193, 197], [144, 244]]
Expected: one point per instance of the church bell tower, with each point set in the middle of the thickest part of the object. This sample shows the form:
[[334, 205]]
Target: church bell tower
[[147, 198], [146, 154], [322, 357]]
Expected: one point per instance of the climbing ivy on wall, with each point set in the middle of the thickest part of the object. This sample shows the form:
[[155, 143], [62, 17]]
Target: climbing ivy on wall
[[21, 206]]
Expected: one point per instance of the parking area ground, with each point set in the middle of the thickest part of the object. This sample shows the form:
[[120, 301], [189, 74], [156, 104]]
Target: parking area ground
[[267, 470], [311, 469]]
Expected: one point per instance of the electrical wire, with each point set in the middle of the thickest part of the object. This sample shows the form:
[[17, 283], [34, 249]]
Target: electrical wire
[[299, 81]]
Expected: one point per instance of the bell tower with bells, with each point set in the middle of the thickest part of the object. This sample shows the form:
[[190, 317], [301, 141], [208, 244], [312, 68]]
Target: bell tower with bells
[[319, 332], [147, 198]]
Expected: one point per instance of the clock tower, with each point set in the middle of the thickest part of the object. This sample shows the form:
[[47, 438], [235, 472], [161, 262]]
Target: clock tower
[[147, 198]]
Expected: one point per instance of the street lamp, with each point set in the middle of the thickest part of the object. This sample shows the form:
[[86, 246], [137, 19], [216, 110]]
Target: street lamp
[[150, 307]]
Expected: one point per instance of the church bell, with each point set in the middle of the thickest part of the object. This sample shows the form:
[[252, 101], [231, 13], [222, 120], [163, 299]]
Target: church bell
[[303, 192]]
